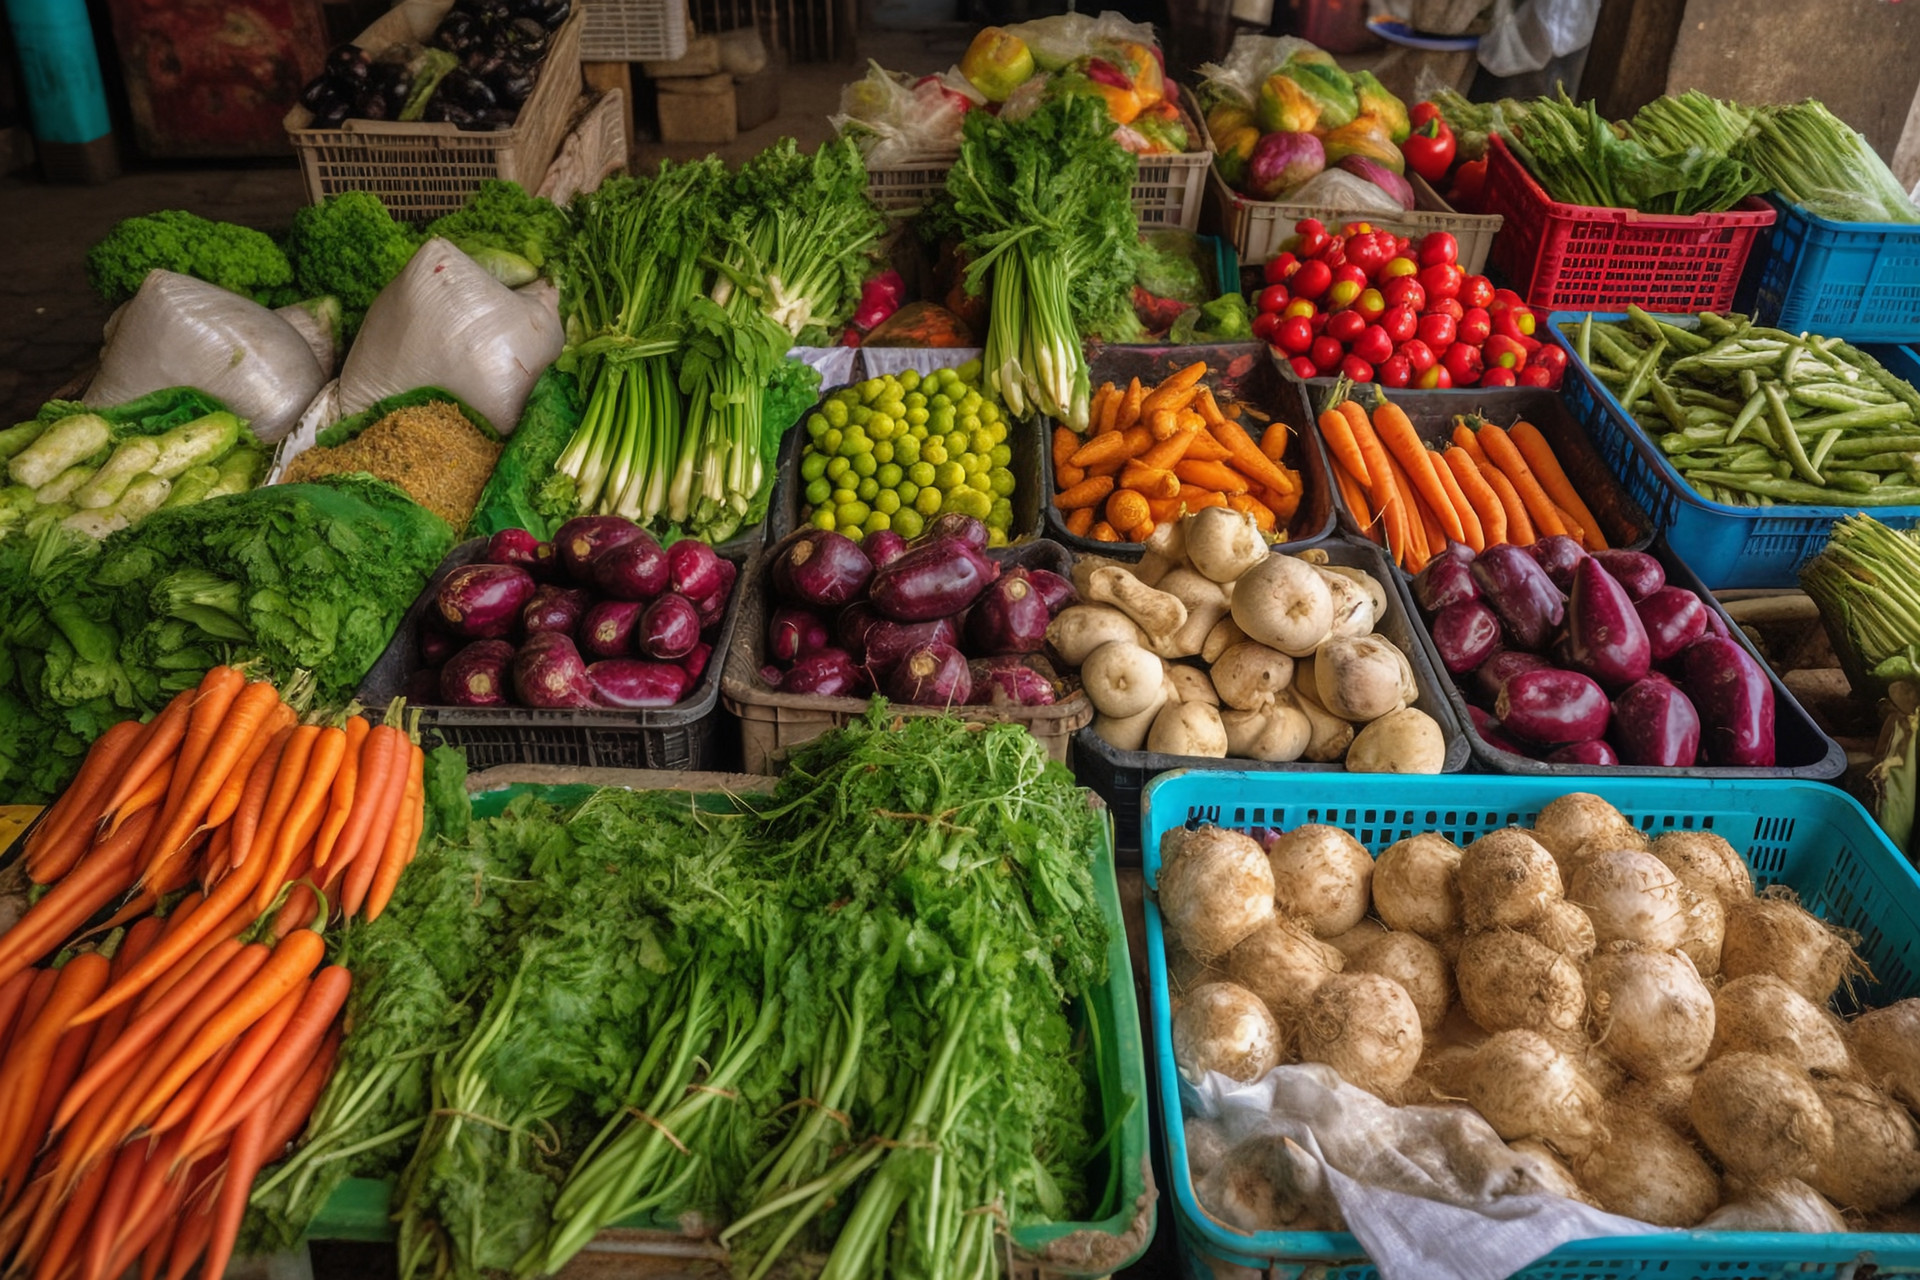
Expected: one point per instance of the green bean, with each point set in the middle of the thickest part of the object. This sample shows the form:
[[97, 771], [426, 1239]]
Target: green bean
[[1880, 415], [1669, 407], [1643, 371], [1863, 446], [1705, 415], [1583, 344], [1619, 353], [1748, 411], [1696, 396], [1823, 448], [1815, 495], [1830, 395], [1788, 438]]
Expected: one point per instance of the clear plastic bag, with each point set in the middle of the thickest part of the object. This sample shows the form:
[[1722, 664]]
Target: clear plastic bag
[[1528, 35], [1338, 189], [444, 322], [1252, 59], [181, 332], [897, 121], [1058, 40]]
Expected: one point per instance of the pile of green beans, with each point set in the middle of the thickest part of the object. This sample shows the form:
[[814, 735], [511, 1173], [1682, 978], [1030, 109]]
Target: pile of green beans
[[1753, 417]]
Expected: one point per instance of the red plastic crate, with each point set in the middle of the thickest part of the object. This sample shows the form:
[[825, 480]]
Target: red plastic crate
[[1575, 256]]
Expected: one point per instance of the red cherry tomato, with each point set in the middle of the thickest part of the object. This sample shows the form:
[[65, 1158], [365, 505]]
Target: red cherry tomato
[[1405, 291], [1345, 326], [1448, 307], [1311, 280], [1294, 335], [1498, 377], [1327, 354], [1373, 345], [1266, 324], [1354, 369], [1272, 298], [1300, 307]]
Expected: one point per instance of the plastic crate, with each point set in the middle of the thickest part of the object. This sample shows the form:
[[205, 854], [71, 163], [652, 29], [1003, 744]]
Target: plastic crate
[[1813, 838], [1236, 370], [1854, 280], [686, 736], [634, 30], [1571, 255], [1257, 227], [772, 722], [1727, 546], [1800, 748], [422, 170], [1624, 521], [1119, 777], [360, 1208]]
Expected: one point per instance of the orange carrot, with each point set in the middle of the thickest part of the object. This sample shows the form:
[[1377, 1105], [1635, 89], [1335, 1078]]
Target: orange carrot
[[1248, 459], [1355, 497], [1101, 448], [1165, 509], [304, 813], [1338, 433], [1217, 476], [1085, 494], [1412, 525], [1175, 390], [1384, 494], [1126, 508], [1540, 508], [1546, 469], [1080, 521], [406, 828], [211, 702], [1169, 451], [1130, 403], [340, 800], [149, 795], [1104, 532], [1148, 481], [196, 1226], [153, 1190], [1198, 497], [162, 741], [230, 1202], [1109, 418], [109, 1216], [1396, 432], [1165, 424], [222, 742], [1476, 490], [1520, 530], [385, 815], [65, 1219], [227, 799], [1064, 444], [13, 993], [1247, 504], [1096, 404], [1469, 519], [1464, 437], [31, 1056], [1206, 449], [102, 876], [65, 829], [289, 777], [232, 1076], [68, 1054]]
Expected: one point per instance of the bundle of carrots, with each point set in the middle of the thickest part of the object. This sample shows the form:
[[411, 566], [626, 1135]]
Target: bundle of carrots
[[154, 1063], [1157, 453], [1489, 485]]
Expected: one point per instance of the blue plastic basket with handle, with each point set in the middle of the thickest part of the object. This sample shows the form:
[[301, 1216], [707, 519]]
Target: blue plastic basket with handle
[[1854, 280], [1811, 838]]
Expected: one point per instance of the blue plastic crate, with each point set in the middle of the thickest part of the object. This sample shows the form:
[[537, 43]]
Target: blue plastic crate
[[1854, 280], [1812, 838], [1727, 546]]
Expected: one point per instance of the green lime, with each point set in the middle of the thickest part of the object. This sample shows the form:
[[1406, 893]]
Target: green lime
[[968, 372], [979, 439], [1000, 515], [976, 504], [950, 474], [996, 537], [851, 514], [886, 500], [835, 413], [837, 467], [869, 489], [934, 451], [998, 430], [906, 450], [928, 503], [817, 425], [863, 463], [990, 414], [883, 452], [956, 443], [859, 415], [844, 495], [813, 466], [819, 490], [921, 473], [907, 522], [1000, 455], [823, 518], [856, 445], [876, 522], [970, 402], [889, 473], [916, 415], [871, 390], [909, 379], [830, 442], [908, 491], [880, 427], [1000, 482]]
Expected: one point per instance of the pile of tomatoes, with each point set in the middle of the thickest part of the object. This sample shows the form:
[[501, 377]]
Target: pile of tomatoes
[[1372, 306]]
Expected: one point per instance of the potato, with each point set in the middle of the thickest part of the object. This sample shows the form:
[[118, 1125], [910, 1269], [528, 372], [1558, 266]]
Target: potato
[[1887, 1043], [1526, 1088], [1188, 729], [1418, 967], [1404, 741], [1361, 678], [1774, 934], [1248, 675], [1875, 1162], [1284, 604], [1206, 605], [1759, 1013], [1631, 897], [1706, 863], [1643, 1169], [1190, 684]]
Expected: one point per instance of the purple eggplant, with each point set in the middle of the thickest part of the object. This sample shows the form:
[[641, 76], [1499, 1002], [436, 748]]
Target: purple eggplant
[[1493, 674], [1528, 603], [477, 675], [580, 539], [827, 673], [694, 663], [793, 633], [635, 569], [1466, 633], [886, 642], [1734, 698], [548, 672], [1055, 591], [1597, 754], [1553, 707], [931, 675], [437, 644], [668, 629], [1654, 723], [1493, 734], [1558, 554], [607, 629], [1002, 684], [1674, 618], [1605, 637], [1637, 571], [821, 568], [850, 628], [553, 608], [883, 547], [934, 580], [1446, 580], [634, 683], [1717, 625], [694, 570], [482, 601], [954, 525], [1009, 617], [517, 546], [714, 607]]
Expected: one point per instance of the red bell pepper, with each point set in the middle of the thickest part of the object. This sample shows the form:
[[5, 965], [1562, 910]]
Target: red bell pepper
[[1504, 352], [1514, 322], [1421, 113], [1469, 185], [1429, 149], [1463, 363]]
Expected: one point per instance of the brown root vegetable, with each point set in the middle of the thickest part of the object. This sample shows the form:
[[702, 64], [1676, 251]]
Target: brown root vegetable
[[1418, 967], [1526, 1088], [1779, 1204], [1216, 890], [1188, 729], [1284, 964], [1510, 981], [1667, 1098], [1361, 678], [1225, 1028], [1649, 1011], [1775, 934], [1631, 897], [1548, 1171], [1706, 932], [1404, 741], [1567, 929], [1355, 940], [1416, 886], [1643, 1169], [1887, 1044], [1580, 824], [1321, 876], [1761, 1117], [1507, 880], [1185, 971], [1762, 1014], [1875, 1162], [1249, 675], [1706, 863], [1366, 1028]]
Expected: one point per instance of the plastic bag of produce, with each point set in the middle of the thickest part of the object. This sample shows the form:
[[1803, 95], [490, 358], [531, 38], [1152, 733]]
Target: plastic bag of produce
[[182, 332], [895, 121], [1055, 41], [1347, 192], [444, 322]]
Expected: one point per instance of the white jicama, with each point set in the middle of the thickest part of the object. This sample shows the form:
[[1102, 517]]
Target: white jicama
[[1631, 897], [1418, 967], [1887, 1043], [1761, 1117], [1122, 679], [1643, 1169], [1547, 1168], [1780, 1204], [1509, 981], [1706, 932], [1322, 876], [1762, 1014], [1666, 1098], [1225, 1028], [1361, 678], [1875, 1162], [1507, 879], [1365, 1027], [1580, 824], [1221, 543], [1215, 890], [1775, 934], [1357, 939], [1567, 929], [1526, 1088], [1416, 886], [1283, 964], [1188, 729], [1706, 863], [1650, 1012]]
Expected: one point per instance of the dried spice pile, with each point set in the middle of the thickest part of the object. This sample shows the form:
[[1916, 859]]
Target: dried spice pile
[[430, 450]]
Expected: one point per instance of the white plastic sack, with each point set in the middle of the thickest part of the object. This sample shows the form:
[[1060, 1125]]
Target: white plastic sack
[[1526, 36], [1338, 189], [181, 332], [833, 364], [444, 322], [1057, 40]]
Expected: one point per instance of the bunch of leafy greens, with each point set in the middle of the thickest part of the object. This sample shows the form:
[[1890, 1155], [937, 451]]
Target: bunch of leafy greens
[[1810, 156], [501, 215], [348, 246], [835, 1018], [238, 258], [1044, 205], [1579, 158], [310, 576]]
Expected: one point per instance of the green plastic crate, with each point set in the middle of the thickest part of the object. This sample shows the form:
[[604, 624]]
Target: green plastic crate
[[358, 1210]]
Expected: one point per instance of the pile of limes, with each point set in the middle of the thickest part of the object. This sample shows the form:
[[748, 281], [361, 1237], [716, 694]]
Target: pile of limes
[[895, 451]]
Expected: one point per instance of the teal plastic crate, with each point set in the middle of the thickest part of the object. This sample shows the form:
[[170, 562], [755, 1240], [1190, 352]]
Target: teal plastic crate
[[1727, 546], [1812, 838], [1854, 280], [359, 1210]]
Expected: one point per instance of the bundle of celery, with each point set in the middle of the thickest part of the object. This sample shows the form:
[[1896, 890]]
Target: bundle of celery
[[1044, 203], [1810, 156], [1867, 584], [678, 316]]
